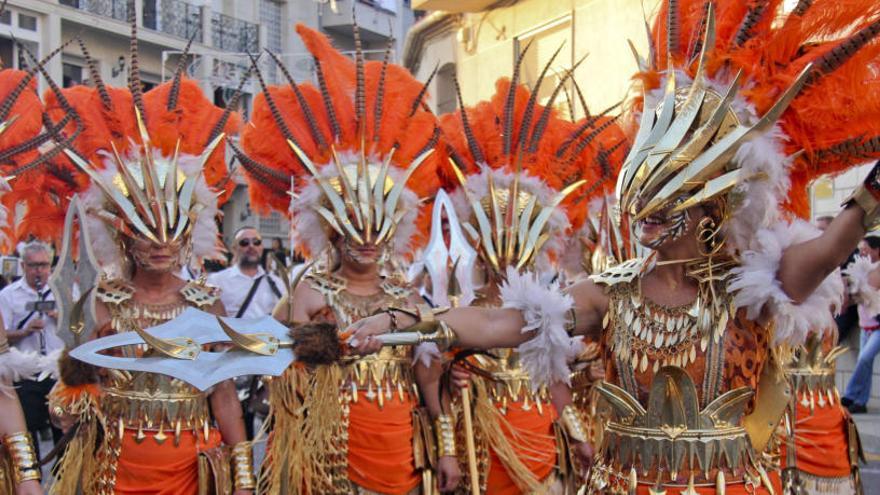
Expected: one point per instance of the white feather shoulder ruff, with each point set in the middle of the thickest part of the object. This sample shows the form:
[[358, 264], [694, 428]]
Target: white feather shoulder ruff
[[757, 288], [544, 308], [16, 365], [857, 278]]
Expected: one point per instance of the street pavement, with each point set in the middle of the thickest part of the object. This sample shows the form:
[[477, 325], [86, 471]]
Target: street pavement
[[869, 431]]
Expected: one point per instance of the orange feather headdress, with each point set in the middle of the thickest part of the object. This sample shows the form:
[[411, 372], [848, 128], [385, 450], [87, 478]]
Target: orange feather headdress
[[525, 174], [745, 103], [27, 151], [357, 149], [147, 163]]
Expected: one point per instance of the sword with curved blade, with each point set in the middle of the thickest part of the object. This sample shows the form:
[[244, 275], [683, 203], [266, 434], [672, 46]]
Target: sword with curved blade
[[257, 346]]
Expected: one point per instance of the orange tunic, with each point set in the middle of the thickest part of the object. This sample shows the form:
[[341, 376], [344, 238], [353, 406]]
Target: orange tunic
[[821, 441], [149, 468], [534, 431], [380, 446]]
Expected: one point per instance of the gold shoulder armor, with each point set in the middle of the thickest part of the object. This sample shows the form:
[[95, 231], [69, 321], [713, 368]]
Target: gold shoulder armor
[[199, 293], [621, 273], [114, 291], [396, 288], [325, 283]]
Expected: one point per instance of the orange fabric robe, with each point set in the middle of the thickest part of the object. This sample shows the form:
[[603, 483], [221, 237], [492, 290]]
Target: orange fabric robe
[[380, 446], [535, 431], [149, 468]]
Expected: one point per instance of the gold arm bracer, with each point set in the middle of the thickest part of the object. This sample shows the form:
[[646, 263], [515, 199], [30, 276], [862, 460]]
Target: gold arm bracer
[[572, 424], [444, 433], [25, 465], [864, 199], [243, 466]]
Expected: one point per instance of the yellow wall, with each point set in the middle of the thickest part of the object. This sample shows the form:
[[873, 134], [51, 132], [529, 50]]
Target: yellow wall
[[486, 45]]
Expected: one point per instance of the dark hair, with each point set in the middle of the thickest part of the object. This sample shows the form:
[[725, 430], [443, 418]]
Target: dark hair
[[873, 242]]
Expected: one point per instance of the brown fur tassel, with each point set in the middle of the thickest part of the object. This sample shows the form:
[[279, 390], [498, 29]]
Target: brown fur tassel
[[74, 372], [316, 344]]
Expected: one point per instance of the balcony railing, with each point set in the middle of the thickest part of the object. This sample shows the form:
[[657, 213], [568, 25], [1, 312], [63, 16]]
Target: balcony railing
[[174, 17], [117, 9], [235, 35]]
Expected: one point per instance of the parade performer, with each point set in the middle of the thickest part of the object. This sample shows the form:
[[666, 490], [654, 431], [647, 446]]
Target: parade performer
[[687, 330], [359, 152], [144, 164], [524, 178], [820, 448], [21, 134]]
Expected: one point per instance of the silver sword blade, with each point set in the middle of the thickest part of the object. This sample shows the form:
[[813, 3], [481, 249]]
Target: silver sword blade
[[209, 368]]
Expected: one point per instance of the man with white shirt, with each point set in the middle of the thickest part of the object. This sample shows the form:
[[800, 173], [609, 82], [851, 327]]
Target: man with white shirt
[[247, 291], [28, 311]]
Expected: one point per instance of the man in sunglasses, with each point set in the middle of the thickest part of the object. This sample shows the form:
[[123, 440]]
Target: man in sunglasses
[[248, 291]]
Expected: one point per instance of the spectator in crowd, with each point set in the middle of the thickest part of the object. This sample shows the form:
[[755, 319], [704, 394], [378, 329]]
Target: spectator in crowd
[[858, 389], [275, 257], [247, 291], [27, 307]]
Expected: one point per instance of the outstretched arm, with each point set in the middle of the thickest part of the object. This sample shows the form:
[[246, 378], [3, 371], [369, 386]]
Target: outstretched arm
[[804, 266], [487, 328]]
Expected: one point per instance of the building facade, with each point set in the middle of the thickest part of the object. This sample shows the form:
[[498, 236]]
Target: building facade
[[479, 40], [224, 32]]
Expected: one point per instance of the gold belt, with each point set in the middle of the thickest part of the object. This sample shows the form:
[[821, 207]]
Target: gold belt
[[162, 413], [380, 379], [676, 448], [814, 387], [508, 387], [672, 438]]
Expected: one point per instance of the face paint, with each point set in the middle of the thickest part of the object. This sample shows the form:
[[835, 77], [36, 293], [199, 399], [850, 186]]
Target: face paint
[[154, 257], [362, 254], [661, 228]]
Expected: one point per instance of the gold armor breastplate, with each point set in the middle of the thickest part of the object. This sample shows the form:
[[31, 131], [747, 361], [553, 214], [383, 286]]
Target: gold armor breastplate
[[379, 376], [148, 401], [676, 419]]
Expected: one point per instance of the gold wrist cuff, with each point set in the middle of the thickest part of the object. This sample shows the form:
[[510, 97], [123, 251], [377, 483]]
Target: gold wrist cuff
[[572, 424], [445, 436], [25, 465], [243, 466], [863, 198]]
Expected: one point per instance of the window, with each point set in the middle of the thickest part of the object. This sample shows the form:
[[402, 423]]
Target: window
[[7, 52], [271, 224], [27, 22], [150, 13], [72, 74], [447, 100], [223, 96], [544, 42], [6, 17]]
